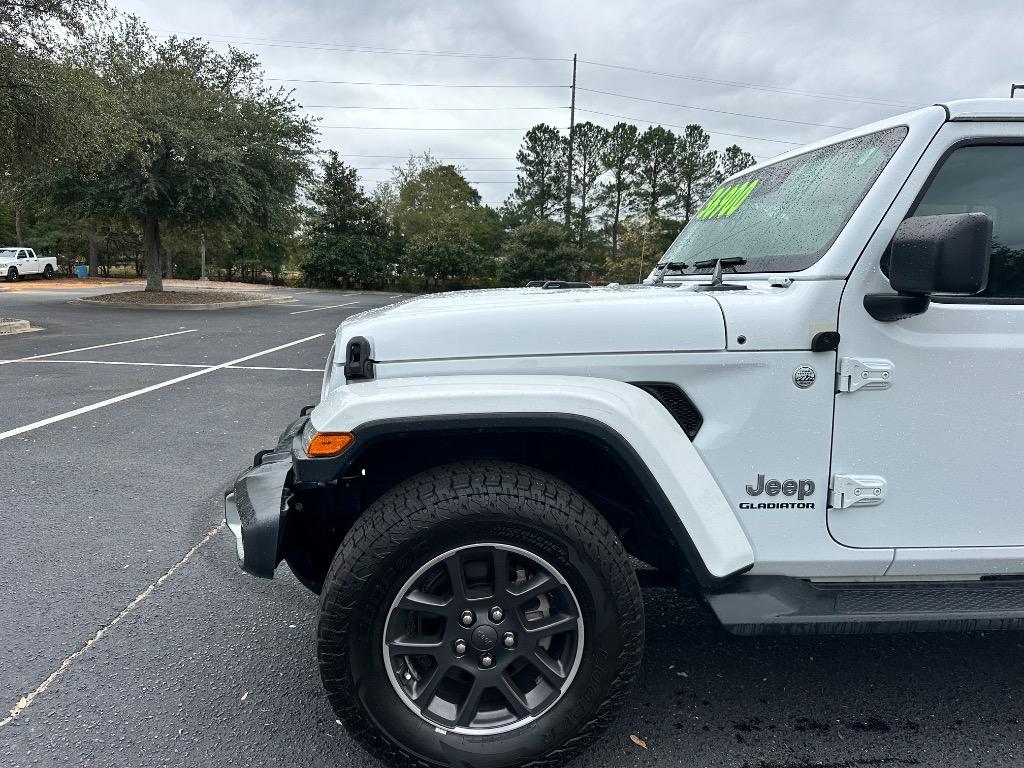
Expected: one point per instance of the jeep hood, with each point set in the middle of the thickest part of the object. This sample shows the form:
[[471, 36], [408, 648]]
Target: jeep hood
[[537, 321]]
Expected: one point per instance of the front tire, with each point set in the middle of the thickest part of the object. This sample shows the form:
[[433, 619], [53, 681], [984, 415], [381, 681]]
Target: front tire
[[12, 275], [480, 614]]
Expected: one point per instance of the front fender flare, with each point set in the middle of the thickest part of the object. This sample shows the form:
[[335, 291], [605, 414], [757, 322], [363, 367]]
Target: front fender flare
[[625, 418]]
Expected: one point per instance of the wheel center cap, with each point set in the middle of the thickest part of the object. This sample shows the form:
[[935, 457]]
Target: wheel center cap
[[484, 637]]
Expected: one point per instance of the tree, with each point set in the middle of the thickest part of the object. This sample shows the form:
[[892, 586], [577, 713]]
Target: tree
[[653, 184], [210, 143], [445, 251], [539, 250], [44, 25], [733, 160], [590, 141], [347, 234], [540, 186], [56, 112], [619, 161], [637, 250], [443, 227], [696, 170]]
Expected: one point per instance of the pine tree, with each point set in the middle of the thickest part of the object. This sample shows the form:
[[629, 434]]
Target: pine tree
[[696, 170], [590, 141], [540, 186], [619, 161], [732, 160]]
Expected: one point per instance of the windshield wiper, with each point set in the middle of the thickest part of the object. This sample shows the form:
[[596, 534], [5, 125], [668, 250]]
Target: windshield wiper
[[731, 261]]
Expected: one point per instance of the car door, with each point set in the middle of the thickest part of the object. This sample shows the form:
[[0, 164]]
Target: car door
[[929, 419], [27, 262]]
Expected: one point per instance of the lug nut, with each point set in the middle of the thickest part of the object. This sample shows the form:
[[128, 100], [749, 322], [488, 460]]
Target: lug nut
[[408, 675], [467, 618], [486, 660], [509, 639], [460, 647], [497, 614]]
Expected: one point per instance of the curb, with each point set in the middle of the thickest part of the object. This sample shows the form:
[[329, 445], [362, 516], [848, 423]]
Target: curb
[[187, 307], [10, 327]]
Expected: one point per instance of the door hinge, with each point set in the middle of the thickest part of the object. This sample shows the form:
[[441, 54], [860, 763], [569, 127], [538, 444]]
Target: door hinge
[[856, 491], [863, 373]]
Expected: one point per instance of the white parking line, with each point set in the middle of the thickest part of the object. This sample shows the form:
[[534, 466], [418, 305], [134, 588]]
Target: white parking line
[[112, 362], [96, 346], [167, 365], [145, 390], [272, 368], [317, 309], [26, 700]]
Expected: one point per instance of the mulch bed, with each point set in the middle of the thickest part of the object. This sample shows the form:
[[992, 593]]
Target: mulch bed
[[176, 297]]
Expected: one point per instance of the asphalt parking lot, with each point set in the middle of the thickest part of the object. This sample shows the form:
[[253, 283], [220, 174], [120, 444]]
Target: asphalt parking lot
[[131, 637]]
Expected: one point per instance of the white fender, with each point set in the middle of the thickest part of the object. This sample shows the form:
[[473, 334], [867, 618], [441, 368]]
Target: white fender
[[627, 410]]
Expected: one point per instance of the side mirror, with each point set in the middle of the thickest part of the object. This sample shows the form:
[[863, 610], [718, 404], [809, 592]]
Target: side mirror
[[949, 253]]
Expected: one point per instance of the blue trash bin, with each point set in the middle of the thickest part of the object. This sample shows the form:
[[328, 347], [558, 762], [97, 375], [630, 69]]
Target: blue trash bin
[[81, 271]]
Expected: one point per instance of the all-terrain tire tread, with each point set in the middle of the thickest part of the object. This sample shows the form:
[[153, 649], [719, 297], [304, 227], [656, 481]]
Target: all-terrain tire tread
[[420, 503]]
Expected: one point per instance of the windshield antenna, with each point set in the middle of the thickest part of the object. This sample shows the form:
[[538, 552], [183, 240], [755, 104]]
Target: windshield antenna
[[665, 266]]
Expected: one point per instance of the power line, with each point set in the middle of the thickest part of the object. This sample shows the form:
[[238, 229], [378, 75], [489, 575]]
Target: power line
[[432, 109], [406, 157], [360, 48], [355, 48], [467, 170], [673, 125], [755, 86], [709, 109], [411, 128], [410, 85]]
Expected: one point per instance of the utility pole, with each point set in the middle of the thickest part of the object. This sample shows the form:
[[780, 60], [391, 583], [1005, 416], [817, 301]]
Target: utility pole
[[572, 126]]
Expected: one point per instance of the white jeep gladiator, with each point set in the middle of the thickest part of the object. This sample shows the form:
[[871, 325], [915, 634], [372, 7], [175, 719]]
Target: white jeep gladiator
[[16, 263], [810, 415]]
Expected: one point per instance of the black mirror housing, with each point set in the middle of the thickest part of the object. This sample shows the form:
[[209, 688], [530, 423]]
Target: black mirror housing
[[949, 253]]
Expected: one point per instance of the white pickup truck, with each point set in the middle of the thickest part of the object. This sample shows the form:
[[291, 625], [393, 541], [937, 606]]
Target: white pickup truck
[[16, 263], [810, 416]]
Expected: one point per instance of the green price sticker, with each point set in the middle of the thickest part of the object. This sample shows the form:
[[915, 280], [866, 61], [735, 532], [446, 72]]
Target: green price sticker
[[726, 200]]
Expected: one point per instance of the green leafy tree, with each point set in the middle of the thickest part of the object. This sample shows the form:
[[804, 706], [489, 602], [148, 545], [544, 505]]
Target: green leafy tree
[[733, 160], [444, 252], [347, 233], [538, 250], [540, 185], [44, 25], [619, 161], [56, 113], [444, 229], [590, 140], [637, 251], [211, 143], [695, 171]]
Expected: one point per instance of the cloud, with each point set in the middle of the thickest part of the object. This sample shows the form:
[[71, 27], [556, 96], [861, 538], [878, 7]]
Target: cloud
[[898, 52]]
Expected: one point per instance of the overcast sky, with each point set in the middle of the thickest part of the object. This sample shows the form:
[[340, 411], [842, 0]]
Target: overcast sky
[[861, 61]]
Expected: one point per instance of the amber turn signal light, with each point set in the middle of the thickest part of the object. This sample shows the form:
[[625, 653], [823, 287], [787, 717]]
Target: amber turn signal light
[[326, 444]]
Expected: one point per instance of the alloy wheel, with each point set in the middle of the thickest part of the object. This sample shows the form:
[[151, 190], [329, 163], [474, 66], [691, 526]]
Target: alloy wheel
[[483, 639]]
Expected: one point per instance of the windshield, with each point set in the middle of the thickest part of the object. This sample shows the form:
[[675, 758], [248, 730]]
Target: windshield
[[8, 253], [784, 216]]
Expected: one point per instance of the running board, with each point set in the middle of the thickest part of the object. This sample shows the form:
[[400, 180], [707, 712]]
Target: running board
[[778, 605]]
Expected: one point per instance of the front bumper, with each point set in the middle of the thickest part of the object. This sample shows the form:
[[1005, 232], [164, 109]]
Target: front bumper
[[257, 506]]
